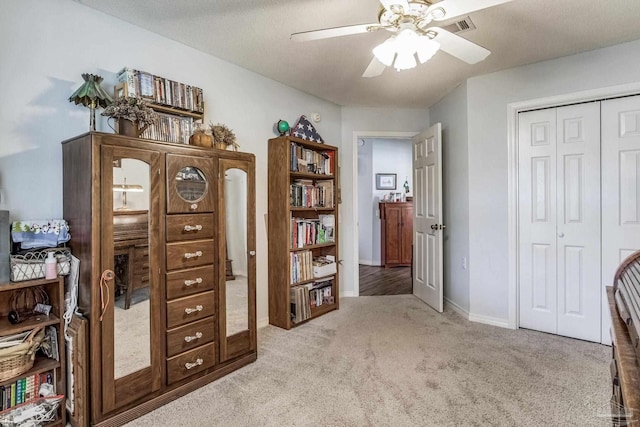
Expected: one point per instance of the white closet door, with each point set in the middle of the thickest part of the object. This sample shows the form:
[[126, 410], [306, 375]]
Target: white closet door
[[537, 220], [578, 221], [559, 220], [620, 189]]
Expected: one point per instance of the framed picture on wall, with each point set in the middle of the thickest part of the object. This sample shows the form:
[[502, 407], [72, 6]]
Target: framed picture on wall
[[385, 181]]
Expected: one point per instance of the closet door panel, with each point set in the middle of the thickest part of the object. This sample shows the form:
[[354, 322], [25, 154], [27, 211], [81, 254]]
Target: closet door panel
[[537, 220], [578, 220], [620, 189]]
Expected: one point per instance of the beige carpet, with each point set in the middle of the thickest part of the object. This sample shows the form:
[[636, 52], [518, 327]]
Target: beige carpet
[[392, 361]]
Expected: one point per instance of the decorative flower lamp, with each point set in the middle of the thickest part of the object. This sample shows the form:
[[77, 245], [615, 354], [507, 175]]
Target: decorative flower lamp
[[91, 95]]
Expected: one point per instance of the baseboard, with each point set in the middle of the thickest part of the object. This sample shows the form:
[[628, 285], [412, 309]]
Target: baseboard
[[455, 307], [494, 321], [369, 262], [261, 323], [348, 294]]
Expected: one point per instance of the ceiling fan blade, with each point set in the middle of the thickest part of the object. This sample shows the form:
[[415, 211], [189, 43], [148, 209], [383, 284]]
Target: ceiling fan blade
[[389, 4], [453, 8], [459, 47], [374, 69], [332, 32]]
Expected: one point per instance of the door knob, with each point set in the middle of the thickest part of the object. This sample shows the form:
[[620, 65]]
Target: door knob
[[252, 253], [434, 227], [442, 226], [561, 234]]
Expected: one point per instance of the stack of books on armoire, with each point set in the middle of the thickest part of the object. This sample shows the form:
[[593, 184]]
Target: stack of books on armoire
[[177, 104]]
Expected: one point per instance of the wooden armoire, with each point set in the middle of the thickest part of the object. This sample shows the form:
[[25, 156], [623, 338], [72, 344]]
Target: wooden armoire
[[178, 324], [396, 238]]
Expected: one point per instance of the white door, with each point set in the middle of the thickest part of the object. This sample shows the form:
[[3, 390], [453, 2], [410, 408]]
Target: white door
[[537, 220], [578, 201], [427, 220], [559, 220], [620, 189]]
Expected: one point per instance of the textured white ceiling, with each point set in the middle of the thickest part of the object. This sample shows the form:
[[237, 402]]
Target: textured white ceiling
[[254, 34]]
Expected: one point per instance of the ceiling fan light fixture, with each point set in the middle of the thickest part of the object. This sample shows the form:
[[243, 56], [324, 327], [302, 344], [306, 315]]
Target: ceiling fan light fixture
[[405, 61], [426, 49], [386, 51], [407, 41]]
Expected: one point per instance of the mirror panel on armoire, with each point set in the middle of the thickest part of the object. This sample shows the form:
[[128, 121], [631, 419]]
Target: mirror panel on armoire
[[237, 257], [129, 296]]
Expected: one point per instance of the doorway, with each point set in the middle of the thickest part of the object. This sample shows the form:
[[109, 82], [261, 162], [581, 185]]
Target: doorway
[[371, 278]]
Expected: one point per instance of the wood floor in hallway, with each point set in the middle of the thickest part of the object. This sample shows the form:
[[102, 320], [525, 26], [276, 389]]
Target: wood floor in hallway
[[385, 281]]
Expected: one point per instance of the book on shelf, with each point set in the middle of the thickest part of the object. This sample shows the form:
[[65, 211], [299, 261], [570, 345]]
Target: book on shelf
[[161, 90], [300, 306], [308, 296], [170, 128], [24, 389], [306, 193], [310, 160], [301, 266], [306, 232], [328, 224], [320, 292]]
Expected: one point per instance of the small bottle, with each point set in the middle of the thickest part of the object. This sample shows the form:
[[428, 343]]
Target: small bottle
[[50, 266]]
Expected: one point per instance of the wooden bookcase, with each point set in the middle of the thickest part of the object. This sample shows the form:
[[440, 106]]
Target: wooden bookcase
[[281, 218], [55, 291]]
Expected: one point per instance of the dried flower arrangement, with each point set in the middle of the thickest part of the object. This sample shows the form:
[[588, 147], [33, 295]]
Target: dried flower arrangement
[[136, 110], [223, 135]]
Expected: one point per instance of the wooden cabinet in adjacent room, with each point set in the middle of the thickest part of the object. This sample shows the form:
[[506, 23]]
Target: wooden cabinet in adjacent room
[[396, 237], [153, 224]]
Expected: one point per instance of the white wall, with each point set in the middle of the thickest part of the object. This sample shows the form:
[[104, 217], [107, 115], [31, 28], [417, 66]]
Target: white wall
[[452, 113], [365, 193], [385, 156], [235, 199], [358, 119], [44, 48], [488, 97]]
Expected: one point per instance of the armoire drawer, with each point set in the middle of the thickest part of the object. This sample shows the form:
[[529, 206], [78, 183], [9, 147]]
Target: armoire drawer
[[190, 254], [189, 227], [189, 309], [190, 336], [191, 362], [191, 281]]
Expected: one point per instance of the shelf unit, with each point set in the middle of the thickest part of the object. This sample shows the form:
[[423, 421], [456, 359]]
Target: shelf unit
[[279, 227], [55, 290]]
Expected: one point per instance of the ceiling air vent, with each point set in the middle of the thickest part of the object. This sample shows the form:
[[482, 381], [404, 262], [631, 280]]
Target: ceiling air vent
[[461, 26]]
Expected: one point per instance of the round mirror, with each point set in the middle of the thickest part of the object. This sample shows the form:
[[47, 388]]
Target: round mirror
[[191, 184]]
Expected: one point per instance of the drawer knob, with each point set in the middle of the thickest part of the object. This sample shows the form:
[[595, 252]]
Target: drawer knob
[[193, 254], [198, 362], [193, 206], [190, 338], [193, 310], [197, 227], [198, 280]]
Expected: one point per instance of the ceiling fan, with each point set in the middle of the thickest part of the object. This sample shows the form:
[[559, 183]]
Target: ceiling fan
[[412, 23]]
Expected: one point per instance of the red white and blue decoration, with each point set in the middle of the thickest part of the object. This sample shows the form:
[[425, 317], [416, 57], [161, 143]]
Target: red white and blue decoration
[[305, 130]]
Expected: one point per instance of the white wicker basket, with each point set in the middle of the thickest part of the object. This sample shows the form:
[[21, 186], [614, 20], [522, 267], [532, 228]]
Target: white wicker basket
[[30, 265]]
